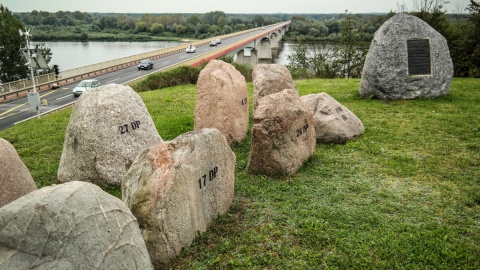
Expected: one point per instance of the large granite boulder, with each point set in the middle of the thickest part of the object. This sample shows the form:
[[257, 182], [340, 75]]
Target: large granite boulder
[[15, 179], [70, 226], [407, 59], [222, 101], [177, 188], [283, 135], [270, 79], [334, 123], [108, 128]]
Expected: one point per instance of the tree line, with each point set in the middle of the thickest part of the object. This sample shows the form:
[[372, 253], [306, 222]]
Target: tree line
[[351, 33], [65, 25]]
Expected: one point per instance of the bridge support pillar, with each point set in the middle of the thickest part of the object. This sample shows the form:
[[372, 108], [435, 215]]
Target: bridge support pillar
[[264, 52], [247, 56]]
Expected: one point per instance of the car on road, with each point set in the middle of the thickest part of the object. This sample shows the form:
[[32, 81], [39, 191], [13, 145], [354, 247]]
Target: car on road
[[145, 64], [191, 49], [219, 41], [84, 86], [213, 43]]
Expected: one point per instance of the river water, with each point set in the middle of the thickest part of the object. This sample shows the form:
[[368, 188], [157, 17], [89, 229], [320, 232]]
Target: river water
[[69, 55]]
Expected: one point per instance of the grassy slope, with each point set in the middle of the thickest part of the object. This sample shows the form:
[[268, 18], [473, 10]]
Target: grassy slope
[[404, 195]]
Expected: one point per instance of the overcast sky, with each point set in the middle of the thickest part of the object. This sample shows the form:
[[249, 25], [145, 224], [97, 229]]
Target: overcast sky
[[227, 6]]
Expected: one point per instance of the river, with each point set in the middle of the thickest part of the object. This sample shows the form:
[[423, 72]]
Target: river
[[69, 55]]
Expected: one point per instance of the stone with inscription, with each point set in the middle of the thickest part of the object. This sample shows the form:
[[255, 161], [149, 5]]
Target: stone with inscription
[[283, 135], [71, 226], [177, 188], [334, 123], [270, 79], [222, 101], [108, 128], [407, 59], [15, 179]]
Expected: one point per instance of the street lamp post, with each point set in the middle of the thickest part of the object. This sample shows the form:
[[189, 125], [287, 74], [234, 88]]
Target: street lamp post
[[33, 98]]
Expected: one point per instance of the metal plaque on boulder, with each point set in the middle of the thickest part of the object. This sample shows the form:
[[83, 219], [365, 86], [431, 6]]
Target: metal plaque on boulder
[[419, 57]]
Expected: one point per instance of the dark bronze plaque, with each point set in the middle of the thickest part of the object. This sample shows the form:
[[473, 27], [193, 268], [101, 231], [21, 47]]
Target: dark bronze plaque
[[419, 57]]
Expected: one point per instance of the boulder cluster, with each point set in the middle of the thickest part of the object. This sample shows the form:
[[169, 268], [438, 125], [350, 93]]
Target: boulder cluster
[[173, 189], [170, 189]]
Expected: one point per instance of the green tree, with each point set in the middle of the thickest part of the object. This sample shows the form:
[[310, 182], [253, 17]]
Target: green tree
[[222, 21], [213, 16], [299, 57], [433, 13], [180, 29], [474, 36], [12, 66], [351, 54], [227, 29], [194, 19], [141, 27], [259, 20], [465, 43], [157, 28]]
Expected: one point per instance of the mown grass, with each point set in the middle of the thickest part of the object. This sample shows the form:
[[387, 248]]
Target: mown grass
[[405, 195]]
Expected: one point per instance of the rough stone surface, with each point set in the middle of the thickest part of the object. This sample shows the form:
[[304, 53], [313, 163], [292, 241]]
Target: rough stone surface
[[108, 128], [385, 73], [222, 101], [283, 135], [177, 188], [15, 179], [334, 123], [70, 226], [270, 79]]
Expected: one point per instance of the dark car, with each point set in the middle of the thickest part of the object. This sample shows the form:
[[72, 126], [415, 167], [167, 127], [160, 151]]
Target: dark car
[[145, 64]]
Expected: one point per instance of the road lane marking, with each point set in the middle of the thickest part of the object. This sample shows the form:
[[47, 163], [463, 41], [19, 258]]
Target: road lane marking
[[61, 98], [113, 80], [14, 108]]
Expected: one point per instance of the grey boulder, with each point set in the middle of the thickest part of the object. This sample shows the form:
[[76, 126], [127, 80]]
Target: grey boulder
[[70, 226]]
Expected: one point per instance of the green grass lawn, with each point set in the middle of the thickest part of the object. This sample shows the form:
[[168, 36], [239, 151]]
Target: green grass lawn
[[405, 195]]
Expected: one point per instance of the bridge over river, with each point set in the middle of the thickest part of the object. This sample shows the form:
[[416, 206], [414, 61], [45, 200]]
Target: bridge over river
[[247, 47]]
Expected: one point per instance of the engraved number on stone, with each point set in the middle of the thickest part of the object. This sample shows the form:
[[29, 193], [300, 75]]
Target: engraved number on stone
[[244, 101], [212, 174], [302, 130], [124, 128], [344, 118], [338, 109]]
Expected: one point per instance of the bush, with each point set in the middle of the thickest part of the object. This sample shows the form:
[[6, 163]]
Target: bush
[[184, 75], [177, 76], [300, 73]]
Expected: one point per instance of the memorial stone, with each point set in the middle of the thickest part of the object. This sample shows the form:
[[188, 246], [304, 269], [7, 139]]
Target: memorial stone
[[334, 123], [177, 188], [222, 101], [270, 79], [108, 128], [283, 135], [15, 179], [71, 226], [407, 59]]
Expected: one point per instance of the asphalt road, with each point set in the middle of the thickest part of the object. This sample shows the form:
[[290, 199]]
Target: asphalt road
[[14, 111]]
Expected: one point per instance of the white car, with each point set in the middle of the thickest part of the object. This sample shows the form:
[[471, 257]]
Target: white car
[[191, 49], [84, 86]]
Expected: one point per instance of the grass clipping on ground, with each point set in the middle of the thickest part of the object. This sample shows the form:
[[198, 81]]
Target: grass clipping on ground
[[406, 194]]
